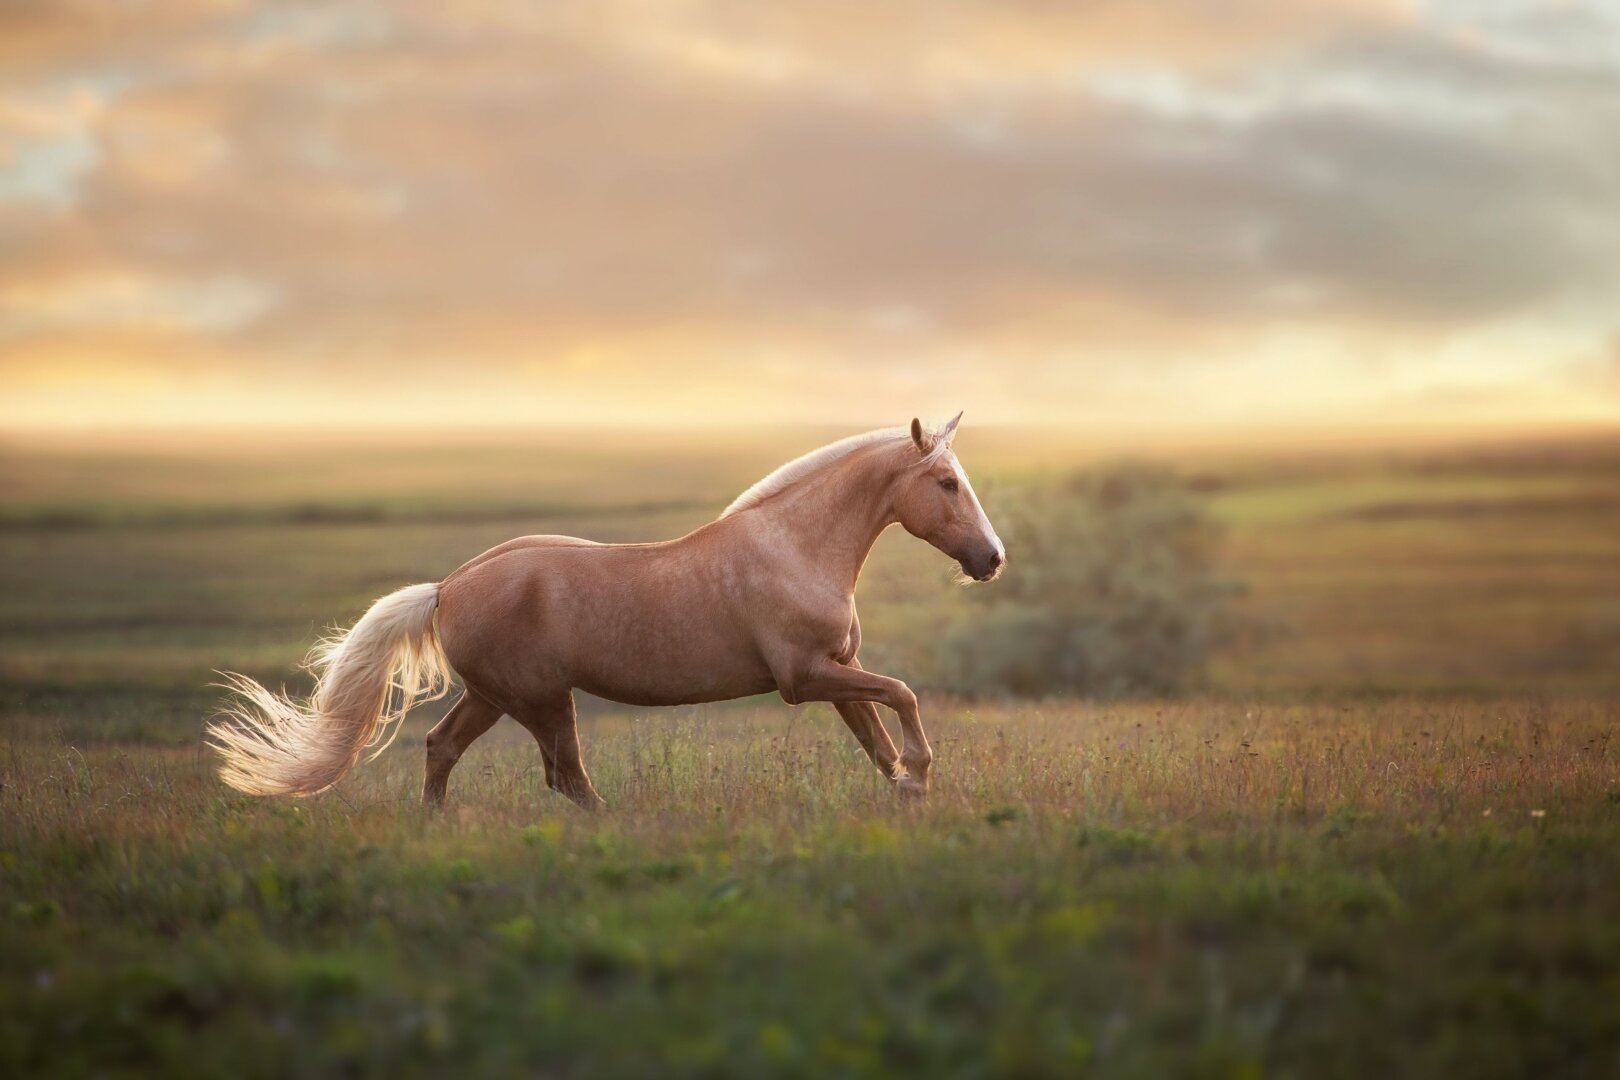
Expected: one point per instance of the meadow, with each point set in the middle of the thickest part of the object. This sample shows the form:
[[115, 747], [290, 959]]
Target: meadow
[[1383, 836]]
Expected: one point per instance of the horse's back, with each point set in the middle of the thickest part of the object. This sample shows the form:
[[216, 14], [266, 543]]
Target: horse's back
[[521, 543]]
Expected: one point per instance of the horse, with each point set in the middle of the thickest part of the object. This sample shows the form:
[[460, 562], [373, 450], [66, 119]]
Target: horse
[[761, 599]]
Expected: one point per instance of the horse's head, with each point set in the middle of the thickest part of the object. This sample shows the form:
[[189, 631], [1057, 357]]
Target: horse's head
[[935, 502]]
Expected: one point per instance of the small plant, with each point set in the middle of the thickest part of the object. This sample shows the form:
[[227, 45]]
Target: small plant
[[1003, 815], [1114, 590]]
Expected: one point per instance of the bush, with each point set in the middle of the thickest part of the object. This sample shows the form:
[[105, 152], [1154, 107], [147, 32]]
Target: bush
[[1112, 590]]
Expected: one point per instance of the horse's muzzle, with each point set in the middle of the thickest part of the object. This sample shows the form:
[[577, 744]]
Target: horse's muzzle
[[986, 567]]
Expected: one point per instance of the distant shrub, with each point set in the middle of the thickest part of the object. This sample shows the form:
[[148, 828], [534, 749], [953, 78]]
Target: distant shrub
[[1113, 589]]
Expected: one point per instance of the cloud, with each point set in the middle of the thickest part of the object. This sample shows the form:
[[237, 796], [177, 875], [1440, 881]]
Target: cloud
[[392, 187]]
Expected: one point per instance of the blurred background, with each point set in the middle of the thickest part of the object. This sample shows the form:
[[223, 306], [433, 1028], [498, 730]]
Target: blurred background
[[1287, 332]]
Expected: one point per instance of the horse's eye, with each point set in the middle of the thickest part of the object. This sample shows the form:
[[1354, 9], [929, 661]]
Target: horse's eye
[[948, 483]]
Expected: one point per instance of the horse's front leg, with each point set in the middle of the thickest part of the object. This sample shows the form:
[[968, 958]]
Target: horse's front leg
[[827, 680], [861, 717]]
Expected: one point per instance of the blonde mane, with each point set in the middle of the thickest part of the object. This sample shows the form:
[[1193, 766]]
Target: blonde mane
[[787, 475]]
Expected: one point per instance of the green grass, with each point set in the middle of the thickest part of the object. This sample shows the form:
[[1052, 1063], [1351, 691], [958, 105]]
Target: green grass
[[1384, 839], [1416, 889]]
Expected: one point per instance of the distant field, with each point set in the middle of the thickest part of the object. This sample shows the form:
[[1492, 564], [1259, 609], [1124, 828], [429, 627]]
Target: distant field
[[1465, 572], [137, 573], [1383, 839]]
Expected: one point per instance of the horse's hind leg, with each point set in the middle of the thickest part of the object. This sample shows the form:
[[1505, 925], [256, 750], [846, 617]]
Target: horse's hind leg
[[555, 727], [467, 719]]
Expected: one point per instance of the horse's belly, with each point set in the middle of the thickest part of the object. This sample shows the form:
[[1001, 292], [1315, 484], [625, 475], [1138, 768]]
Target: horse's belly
[[674, 672], [686, 692]]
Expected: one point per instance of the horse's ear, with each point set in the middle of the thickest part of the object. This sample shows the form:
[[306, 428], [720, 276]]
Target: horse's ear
[[949, 429], [919, 436]]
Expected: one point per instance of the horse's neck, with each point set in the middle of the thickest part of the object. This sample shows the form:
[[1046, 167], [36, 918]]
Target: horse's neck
[[835, 515]]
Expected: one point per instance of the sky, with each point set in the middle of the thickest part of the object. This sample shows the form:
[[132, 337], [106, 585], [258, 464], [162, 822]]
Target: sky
[[1104, 216]]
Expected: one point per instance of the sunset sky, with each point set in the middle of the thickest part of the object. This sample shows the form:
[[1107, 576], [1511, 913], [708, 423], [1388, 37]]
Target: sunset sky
[[1109, 215]]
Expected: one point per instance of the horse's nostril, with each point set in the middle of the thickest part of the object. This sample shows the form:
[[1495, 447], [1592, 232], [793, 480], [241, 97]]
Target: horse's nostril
[[996, 559]]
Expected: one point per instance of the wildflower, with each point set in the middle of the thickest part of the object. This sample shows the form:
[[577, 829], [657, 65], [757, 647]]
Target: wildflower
[[1538, 813]]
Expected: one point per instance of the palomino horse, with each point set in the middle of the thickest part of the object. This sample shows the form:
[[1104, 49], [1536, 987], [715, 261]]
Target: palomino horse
[[761, 599]]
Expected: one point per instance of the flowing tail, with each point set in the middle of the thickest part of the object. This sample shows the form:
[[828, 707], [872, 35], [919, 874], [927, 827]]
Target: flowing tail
[[366, 680]]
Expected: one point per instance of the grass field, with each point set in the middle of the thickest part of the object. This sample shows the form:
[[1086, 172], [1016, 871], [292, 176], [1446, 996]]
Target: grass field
[[1385, 837]]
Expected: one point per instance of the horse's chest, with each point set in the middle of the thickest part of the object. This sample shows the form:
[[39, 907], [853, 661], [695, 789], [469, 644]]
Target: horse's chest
[[822, 624]]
